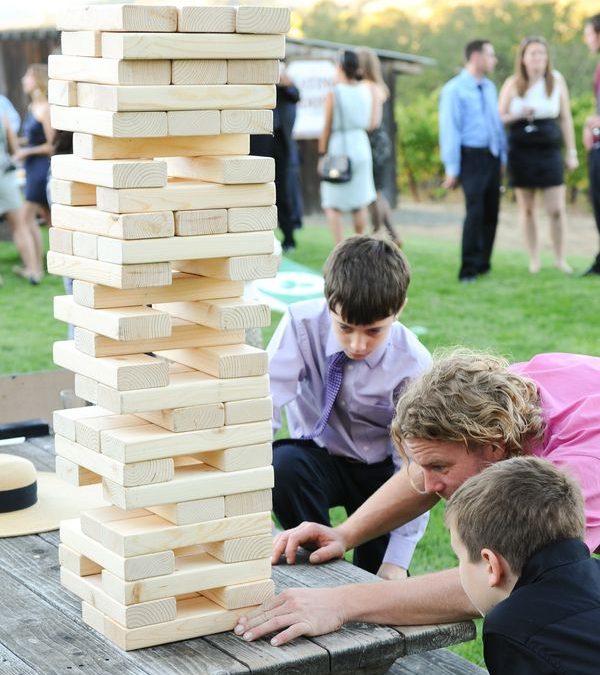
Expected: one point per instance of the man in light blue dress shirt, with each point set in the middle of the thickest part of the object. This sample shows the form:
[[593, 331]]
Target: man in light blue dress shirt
[[473, 148]]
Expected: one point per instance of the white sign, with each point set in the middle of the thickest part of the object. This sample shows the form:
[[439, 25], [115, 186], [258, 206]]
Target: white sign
[[313, 79]]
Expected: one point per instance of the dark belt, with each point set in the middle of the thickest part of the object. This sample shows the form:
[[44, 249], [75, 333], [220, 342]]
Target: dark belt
[[466, 150]]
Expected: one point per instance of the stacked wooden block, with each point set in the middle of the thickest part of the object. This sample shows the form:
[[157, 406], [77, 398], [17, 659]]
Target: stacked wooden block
[[179, 432]]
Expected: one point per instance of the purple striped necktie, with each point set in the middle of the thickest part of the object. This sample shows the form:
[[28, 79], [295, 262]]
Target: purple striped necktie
[[333, 382]]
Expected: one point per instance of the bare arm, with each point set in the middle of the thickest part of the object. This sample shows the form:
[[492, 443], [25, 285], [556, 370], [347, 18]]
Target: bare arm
[[11, 137], [566, 125], [377, 101], [506, 95], [592, 122], [324, 139]]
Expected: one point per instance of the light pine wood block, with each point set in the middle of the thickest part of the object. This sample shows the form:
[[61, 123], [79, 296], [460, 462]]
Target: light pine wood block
[[81, 43], [106, 123], [193, 122], [119, 173], [184, 334], [72, 192], [238, 458], [119, 18], [250, 410], [62, 92], [72, 473], [238, 268], [87, 431], [76, 563], [195, 19], [252, 71], [60, 241], [149, 441], [199, 71], [202, 221], [184, 196], [128, 569], [247, 121], [241, 595], [118, 226], [86, 388], [225, 361], [262, 19], [254, 501], [64, 421], [123, 252], [182, 287], [192, 418], [108, 274], [132, 371], [252, 219], [151, 534], [221, 314], [191, 46], [184, 389], [85, 245], [124, 323], [244, 548], [109, 71], [224, 170], [126, 475], [89, 146], [195, 511], [93, 520]]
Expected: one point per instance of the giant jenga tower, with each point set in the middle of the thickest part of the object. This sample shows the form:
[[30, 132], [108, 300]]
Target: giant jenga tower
[[160, 215]]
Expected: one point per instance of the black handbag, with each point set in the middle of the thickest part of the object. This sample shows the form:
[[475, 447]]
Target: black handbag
[[336, 168]]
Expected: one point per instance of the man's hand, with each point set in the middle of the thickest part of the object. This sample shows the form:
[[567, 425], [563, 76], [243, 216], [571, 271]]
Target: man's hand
[[391, 572], [300, 611], [450, 182], [328, 543]]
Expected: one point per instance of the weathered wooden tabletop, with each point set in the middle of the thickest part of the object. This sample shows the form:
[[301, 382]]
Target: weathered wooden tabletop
[[41, 630]]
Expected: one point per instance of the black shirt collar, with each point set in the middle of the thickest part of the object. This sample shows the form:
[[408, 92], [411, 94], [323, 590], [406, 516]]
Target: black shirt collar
[[553, 555]]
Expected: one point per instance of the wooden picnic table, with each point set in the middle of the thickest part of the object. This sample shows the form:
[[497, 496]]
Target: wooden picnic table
[[42, 633]]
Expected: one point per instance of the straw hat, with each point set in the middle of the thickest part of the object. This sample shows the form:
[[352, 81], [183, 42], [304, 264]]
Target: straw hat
[[32, 502]]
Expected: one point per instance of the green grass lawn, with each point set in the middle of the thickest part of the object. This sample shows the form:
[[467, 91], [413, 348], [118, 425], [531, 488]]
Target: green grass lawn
[[510, 311]]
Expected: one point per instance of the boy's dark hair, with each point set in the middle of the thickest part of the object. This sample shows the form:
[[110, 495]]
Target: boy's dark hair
[[516, 507], [594, 22], [366, 280], [475, 46]]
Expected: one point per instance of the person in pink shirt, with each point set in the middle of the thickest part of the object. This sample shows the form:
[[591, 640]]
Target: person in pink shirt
[[468, 411]]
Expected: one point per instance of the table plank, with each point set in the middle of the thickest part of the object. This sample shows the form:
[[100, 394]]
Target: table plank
[[10, 664], [438, 662], [419, 639]]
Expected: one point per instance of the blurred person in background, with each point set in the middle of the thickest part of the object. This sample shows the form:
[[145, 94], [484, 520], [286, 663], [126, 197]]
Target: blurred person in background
[[8, 109]]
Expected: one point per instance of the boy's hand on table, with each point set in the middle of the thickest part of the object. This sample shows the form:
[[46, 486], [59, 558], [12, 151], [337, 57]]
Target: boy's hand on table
[[328, 543], [392, 572]]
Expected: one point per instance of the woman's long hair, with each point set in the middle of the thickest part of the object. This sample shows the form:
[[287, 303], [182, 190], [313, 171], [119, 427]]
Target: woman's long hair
[[521, 78]]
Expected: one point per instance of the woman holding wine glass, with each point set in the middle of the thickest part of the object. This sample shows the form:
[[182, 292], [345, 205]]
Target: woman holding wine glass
[[534, 104]]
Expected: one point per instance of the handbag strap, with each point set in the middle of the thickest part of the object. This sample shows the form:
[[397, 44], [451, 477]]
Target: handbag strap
[[339, 107]]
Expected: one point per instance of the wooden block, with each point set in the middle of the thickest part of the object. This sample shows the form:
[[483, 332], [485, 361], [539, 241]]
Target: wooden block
[[199, 71], [74, 474], [184, 196], [221, 314], [118, 226], [183, 287], [149, 18], [247, 122], [81, 43], [252, 71], [107, 274], [100, 147], [238, 458], [87, 431], [109, 71], [76, 563], [93, 520], [192, 418], [184, 334], [119, 173], [225, 361], [64, 421], [256, 501], [72, 192], [225, 170], [240, 412], [201, 221], [184, 389], [195, 511], [242, 595], [148, 441], [193, 122], [252, 219], [106, 123], [196, 19], [132, 371], [191, 46], [126, 475], [244, 548], [85, 245], [238, 268], [262, 19], [62, 92], [151, 534], [60, 241], [86, 388]]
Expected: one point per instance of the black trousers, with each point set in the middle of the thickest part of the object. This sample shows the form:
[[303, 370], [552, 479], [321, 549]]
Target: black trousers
[[309, 481], [594, 176], [480, 179]]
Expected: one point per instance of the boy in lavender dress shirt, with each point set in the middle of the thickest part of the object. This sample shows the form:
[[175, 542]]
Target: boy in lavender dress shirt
[[340, 451]]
